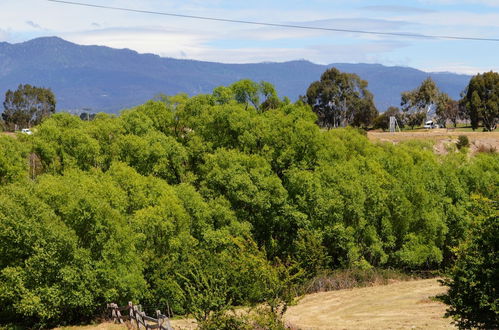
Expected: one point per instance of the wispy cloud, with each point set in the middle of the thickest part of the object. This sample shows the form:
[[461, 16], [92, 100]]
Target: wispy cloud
[[361, 23], [490, 3], [157, 40], [33, 25], [235, 43], [4, 35], [458, 67], [407, 10]]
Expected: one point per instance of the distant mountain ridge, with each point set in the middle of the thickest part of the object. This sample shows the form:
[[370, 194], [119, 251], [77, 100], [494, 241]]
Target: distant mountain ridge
[[106, 79]]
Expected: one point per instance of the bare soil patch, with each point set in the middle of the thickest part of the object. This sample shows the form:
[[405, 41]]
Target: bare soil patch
[[401, 305]]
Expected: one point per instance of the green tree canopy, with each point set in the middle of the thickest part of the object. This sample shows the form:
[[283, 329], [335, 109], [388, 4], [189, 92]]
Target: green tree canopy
[[472, 297], [482, 100], [204, 202], [449, 111], [341, 99]]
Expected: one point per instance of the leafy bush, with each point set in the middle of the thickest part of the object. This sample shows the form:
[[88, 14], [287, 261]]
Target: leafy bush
[[474, 279], [259, 318], [462, 142]]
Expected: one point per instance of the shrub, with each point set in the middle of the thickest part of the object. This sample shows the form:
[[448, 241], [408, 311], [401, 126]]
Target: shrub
[[462, 142], [486, 149], [261, 317], [225, 321], [474, 279], [352, 278]]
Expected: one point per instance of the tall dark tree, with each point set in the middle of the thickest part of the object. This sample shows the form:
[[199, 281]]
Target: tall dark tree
[[341, 99], [482, 100], [27, 105]]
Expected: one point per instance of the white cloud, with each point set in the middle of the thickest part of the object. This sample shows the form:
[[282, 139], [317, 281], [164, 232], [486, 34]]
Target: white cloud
[[157, 40], [491, 3], [408, 10], [4, 35], [459, 68]]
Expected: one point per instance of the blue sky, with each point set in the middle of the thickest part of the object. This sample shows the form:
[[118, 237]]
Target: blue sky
[[236, 43]]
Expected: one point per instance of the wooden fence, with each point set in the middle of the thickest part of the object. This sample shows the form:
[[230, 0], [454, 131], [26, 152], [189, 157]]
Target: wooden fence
[[140, 319]]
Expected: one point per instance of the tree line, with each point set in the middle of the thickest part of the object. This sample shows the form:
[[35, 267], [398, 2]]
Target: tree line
[[224, 199], [338, 99], [342, 99]]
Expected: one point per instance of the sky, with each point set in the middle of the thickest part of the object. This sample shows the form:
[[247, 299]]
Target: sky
[[22, 20]]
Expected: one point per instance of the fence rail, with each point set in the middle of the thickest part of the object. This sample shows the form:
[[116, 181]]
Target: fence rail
[[140, 319]]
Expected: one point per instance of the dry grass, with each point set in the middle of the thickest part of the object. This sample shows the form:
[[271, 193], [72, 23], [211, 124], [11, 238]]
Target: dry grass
[[441, 138], [177, 324], [101, 326], [401, 305], [11, 134], [183, 324]]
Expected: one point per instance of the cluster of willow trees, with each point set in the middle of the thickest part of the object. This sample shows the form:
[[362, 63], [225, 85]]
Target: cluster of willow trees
[[200, 202]]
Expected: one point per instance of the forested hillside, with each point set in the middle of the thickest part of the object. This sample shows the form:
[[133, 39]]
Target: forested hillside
[[107, 79], [205, 201]]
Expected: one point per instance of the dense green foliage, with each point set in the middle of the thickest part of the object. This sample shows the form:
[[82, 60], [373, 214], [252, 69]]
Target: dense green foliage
[[215, 200], [462, 142], [474, 279], [27, 106], [481, 99]]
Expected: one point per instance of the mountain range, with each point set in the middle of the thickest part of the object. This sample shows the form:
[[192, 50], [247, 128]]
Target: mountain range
[[105, 79]]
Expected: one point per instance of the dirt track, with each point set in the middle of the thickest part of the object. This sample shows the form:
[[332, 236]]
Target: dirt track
[[402, 305]]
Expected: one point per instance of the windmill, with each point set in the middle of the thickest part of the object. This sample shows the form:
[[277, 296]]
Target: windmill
[[394, 125]]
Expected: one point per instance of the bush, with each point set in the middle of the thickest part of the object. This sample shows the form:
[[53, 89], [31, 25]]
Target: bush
[[260, 318], [352, 278], [474, 279], [225, 321], [462, 142], [486, 149]]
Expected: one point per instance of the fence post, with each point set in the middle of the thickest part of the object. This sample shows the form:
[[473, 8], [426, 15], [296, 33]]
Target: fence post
[[160, 319], [118, 314], [133, 314]]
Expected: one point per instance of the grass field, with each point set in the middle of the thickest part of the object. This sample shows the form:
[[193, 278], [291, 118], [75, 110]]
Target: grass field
[[401, 305], [441, 137]]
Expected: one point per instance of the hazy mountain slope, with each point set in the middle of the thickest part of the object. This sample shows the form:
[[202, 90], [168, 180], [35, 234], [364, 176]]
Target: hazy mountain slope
[[107, 79]]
